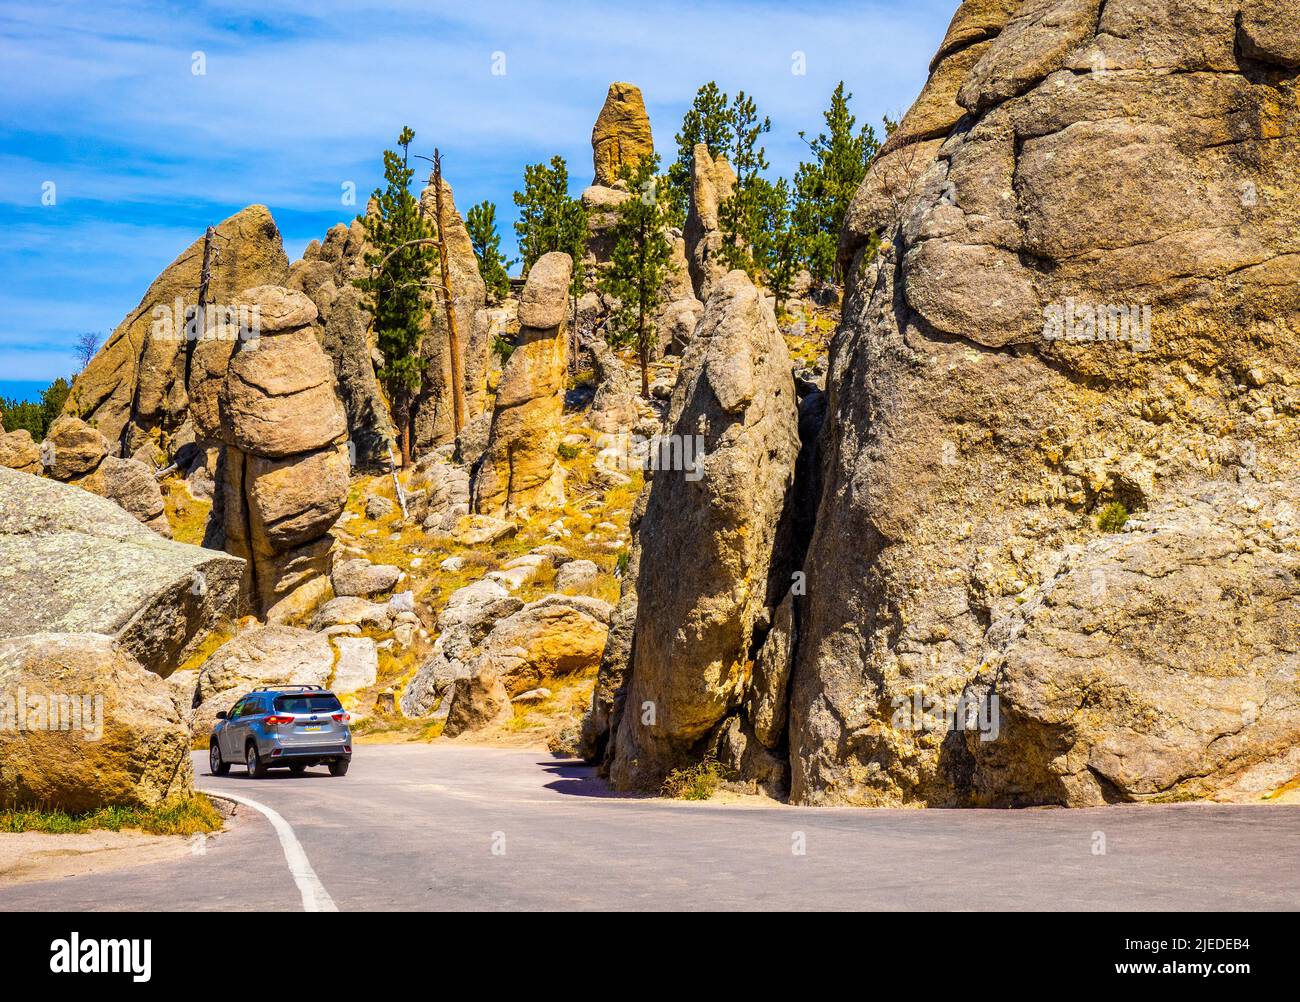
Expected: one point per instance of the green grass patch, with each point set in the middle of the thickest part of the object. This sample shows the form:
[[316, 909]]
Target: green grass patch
[[1112, 517], [696, 782], [186, 817]]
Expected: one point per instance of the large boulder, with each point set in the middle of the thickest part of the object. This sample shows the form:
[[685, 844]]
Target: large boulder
[[555, 636], [279, 399], [84, 726], [72, 562], [266, 655], [134, 390], [477, 701], [19, 452], [359, 576], [357, 666], [1178, 636], [1041, 325], [696, 618], [621, 136], [133, 487], [72, 449], [521, 468]]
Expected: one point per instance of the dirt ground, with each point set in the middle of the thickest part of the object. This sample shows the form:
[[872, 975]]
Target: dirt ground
[[32, 856]]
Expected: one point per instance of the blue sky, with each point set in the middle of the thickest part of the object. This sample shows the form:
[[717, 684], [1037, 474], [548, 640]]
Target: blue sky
[[301, 96]]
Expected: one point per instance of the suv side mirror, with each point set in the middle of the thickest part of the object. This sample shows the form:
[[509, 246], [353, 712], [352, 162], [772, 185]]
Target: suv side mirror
[[222, 715]]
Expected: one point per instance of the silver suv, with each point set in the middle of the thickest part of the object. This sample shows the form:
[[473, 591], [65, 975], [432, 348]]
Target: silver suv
[[285, 725]]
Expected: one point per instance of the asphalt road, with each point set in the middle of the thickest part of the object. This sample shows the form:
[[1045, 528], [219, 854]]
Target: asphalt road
[[445, 827]]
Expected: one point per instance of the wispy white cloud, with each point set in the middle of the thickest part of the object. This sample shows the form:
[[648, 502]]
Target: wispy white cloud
[[299, 98]]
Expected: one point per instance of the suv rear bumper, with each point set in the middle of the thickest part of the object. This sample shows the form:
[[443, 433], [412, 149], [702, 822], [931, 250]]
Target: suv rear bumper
[[320, 753]]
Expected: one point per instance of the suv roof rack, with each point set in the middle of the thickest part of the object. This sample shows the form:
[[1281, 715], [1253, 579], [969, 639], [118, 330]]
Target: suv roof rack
[[287, 688]]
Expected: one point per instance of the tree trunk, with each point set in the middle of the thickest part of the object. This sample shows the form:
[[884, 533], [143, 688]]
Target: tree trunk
[[643, 349], [453, 343], [404, 427]]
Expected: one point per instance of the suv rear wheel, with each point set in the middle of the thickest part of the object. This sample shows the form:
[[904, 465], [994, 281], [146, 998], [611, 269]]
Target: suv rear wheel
[[215, 764], [254, 762], [339, 767]]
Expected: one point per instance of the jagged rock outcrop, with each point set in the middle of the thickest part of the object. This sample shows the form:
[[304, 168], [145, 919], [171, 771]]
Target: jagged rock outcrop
[[614, 408], [76, 563], [712, 181], [1052, 325], [602, 205], [284, 465], [432, 417], [621, 136], [883, 198], [707, 537], [520, 467], [326, 274], [440, 494], [93, 728], [76, 453], [134, 390], [463, 624]]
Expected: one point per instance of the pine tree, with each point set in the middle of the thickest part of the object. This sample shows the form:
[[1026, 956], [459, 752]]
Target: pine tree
[[742, 216], [824, 187], [707, 121], [639, 264], [549, 220], [403, 257], [783, 248], [481, 222]]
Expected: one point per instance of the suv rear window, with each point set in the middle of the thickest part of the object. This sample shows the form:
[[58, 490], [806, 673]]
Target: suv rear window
[[316, 703]]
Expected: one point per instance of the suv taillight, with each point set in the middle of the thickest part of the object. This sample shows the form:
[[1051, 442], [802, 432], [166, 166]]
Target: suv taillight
[[273, 721], [340, 718]]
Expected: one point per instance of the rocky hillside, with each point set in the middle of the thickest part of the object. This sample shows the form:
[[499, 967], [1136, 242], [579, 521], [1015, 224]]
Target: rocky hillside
[[1023, 532]]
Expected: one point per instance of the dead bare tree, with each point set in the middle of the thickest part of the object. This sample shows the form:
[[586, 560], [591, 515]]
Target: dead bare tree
[[85, 348], [453, 343]]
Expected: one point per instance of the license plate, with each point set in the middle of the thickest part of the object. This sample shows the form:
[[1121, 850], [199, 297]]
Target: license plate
[[312, 728]]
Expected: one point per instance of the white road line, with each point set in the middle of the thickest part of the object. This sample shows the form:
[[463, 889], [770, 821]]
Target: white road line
[[314, 896]]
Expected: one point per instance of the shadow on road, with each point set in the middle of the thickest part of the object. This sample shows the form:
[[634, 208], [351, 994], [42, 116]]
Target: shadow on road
[[576, 779]]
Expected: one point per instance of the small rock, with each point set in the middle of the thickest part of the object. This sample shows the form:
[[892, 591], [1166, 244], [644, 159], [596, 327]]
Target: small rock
[[577, 576], [361, 577], [358, 664], [378, 508]]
